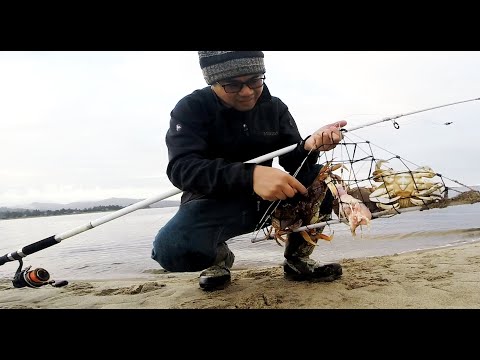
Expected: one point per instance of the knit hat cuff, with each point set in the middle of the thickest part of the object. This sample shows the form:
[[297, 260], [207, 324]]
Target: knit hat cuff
[[228, 64]]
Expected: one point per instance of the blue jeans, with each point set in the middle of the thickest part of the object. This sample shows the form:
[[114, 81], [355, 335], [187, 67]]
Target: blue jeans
[[190, 240]]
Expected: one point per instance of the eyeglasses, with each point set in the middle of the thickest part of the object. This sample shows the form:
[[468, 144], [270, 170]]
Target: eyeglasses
[[237, 86]]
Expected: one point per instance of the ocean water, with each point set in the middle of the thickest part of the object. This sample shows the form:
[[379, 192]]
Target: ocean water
[[121, 248]]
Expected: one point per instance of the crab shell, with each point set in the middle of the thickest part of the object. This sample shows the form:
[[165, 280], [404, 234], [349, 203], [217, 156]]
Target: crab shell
[[303, 210], [349, 208], [405, 189]]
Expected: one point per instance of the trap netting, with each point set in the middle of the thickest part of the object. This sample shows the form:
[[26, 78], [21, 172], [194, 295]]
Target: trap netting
[[385, 181], [367, 182]]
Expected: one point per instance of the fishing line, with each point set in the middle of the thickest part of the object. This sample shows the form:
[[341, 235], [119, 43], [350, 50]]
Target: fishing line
[[412, 163], [57, 238], [351, 160], [265, 217]]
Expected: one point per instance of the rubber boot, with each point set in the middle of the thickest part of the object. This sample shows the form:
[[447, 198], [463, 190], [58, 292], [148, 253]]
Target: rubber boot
[[298, 266], [217, 276]]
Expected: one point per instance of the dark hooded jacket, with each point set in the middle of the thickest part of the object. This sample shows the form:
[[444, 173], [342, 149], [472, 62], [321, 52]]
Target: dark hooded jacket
[[208, 144]]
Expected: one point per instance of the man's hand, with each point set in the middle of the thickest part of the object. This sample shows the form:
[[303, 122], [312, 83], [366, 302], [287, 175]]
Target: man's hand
[[274, 184], [325, 138]]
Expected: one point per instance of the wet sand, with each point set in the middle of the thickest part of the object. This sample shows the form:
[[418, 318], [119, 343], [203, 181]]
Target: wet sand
[[447, 278]]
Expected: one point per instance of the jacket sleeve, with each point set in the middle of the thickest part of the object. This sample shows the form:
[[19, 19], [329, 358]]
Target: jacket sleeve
[[190, 168], [292, 160]]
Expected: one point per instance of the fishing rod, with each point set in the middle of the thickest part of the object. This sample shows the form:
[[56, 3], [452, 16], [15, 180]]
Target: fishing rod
[[393, 118], [378, 214], [395, 124], [24, 275]]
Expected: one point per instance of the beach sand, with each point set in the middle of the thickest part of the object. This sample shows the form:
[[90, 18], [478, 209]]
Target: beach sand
[[445, 278]]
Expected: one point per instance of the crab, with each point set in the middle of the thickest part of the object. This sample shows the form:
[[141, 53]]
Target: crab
[[303, 210], [308, 210], [350, 208], [402, 189]]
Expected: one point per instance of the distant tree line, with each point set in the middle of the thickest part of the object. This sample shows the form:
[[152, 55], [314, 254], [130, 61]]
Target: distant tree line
[[35, 213]]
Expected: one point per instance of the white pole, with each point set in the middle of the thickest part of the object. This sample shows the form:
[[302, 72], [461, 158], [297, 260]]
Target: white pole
[[154, 199], [174, 191], [257, 160], [54, 239]]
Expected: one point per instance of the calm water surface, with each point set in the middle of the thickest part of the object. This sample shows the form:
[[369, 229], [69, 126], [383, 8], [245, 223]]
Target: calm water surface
[[121, 248]]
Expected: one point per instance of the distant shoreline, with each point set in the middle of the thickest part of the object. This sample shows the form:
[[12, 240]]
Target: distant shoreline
[[465, 197], [27, 213]]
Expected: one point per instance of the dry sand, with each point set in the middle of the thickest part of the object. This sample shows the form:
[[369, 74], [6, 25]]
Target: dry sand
[[445, 278]]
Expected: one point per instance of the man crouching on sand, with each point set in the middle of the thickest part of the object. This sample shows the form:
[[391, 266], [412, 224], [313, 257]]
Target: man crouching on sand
[[213, 131]]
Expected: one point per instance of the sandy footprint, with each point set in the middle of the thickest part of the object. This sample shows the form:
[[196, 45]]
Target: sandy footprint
[[131, 290]]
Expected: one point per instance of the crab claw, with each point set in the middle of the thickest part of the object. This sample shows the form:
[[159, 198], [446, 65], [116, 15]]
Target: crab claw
[[384, 200], [308, 237], [388, 207], [324, 237], [333, 189]]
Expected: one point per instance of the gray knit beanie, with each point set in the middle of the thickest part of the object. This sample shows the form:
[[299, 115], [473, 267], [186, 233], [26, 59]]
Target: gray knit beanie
[[221, 65]]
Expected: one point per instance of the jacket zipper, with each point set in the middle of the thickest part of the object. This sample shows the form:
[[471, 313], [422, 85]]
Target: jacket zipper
[[245, 130]]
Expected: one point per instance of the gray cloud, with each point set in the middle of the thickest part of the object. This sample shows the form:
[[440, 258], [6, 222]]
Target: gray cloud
[[90, 125]]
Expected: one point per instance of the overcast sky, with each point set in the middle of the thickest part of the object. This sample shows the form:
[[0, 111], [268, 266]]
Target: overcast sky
[[80, 126]]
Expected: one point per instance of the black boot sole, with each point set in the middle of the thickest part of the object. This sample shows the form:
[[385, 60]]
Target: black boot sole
[[214, 283], [334, 272], [311, 278]]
